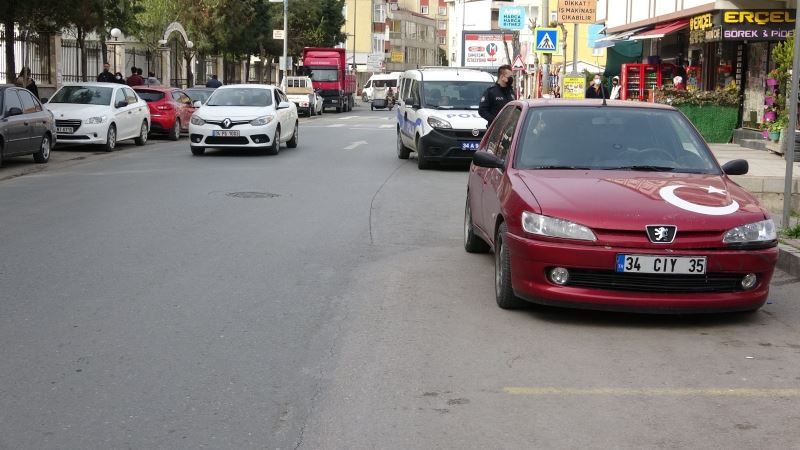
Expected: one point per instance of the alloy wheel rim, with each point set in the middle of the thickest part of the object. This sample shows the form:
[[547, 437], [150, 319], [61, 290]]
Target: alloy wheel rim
[[467, 222], [498, 267], [177, 129], [144, 133], [112, 137], [45, 147]]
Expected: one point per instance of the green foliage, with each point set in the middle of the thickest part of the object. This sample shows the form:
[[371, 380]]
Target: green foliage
[[782, 54], [715, 123], [679, 97], [792, 232], [780, 123]]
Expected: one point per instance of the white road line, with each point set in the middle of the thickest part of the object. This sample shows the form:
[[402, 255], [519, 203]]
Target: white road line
[[335, 125], [349, 117], [387, 126], [355, 144]]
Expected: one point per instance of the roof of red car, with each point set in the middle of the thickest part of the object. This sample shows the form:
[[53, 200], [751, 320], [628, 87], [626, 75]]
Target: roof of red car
[[155, 88], [594, 102]]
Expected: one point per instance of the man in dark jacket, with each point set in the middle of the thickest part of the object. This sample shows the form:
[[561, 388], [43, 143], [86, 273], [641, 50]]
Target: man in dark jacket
[[497, 95], [135, 79], [106, 76], [213, 82]]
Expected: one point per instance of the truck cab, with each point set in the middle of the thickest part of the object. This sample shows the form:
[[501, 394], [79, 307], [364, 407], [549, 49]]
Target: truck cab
[[335, 82]]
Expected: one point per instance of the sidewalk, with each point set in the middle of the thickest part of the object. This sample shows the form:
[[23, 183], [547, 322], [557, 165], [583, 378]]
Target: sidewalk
[[765, 180]]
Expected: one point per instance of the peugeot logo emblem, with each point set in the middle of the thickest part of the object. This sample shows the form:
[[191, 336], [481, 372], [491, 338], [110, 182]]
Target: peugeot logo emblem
[[476, 132], [226, 123], [661, 234]]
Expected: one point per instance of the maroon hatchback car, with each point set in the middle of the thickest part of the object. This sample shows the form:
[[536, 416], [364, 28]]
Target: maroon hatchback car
[[170, 110], [617, 206]]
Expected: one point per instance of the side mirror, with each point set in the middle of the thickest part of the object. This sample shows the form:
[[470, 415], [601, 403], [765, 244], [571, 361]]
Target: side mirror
[[197, 103], [13, 111], [489, 160], [410, 101], [283, 105], [121, 104], [736, 167]]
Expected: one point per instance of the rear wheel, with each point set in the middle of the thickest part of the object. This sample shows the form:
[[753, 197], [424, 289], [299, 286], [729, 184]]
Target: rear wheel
[[292, 143], [111, 138], [504, 293], [43, 155], [142, 139], [402, 150], [472, 243], [175, 132]]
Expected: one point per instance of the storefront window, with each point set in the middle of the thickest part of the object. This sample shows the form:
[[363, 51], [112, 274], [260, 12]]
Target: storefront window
[[757, 69]]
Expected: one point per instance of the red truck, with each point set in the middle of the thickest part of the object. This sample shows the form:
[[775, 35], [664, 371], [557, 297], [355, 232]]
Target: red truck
[[330, 75]]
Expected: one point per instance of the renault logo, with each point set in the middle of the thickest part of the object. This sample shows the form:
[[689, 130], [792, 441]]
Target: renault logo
[[226, 123], [476, 132], [661, 234]]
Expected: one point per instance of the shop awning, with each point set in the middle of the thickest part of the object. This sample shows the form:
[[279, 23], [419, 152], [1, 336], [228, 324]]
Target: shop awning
[[662, 30], [619, 36]]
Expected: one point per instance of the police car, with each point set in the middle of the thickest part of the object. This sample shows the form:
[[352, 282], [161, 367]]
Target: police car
[[438, 116]]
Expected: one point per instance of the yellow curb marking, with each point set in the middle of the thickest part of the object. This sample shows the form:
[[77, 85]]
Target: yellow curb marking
[[654, 392]]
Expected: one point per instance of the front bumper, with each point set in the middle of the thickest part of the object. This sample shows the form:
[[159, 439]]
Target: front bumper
[[249, 136], [85, 134], [446, 145], [595, 284]]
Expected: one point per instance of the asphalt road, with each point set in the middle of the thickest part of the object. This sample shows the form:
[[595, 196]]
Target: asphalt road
[[321, 299]]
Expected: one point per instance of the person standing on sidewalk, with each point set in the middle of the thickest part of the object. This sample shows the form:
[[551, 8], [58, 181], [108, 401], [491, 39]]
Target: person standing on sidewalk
[[135, 79], [497, 95], [106, 76], [213, 82]]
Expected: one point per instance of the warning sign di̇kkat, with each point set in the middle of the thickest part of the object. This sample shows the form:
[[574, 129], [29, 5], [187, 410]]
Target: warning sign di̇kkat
[[577, 11]]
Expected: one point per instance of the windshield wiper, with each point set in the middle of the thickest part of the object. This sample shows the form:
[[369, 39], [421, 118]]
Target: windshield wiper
[[444, 107], [562, 167], [644, 168]]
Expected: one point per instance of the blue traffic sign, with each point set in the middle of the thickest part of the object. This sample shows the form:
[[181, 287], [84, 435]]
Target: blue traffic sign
[[511, 18], [546, 40]]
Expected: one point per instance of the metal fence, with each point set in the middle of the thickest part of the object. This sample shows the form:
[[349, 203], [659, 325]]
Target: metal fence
[[30, 50], [71, 60], [143, 58]]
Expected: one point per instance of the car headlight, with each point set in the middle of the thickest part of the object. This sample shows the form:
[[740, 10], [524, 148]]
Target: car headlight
[[261, 121], [435, 122], [553, 227], [197, 120], [763, 231], [95, 120]]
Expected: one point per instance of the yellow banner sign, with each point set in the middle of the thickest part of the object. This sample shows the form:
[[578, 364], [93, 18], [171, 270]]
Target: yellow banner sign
[[397, 57], [574, 87], [577, 11]]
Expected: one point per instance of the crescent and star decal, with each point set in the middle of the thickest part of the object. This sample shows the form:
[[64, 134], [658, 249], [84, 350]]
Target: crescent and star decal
[[668, 194]]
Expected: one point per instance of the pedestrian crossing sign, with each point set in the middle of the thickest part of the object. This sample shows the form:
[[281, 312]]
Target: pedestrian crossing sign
[[546, 40]]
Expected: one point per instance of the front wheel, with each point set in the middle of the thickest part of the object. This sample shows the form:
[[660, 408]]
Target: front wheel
[[43, 155], [111, 138], [198, 151], [175, 132], [504, 293], [422, 162], [292, 143], [276, 143]]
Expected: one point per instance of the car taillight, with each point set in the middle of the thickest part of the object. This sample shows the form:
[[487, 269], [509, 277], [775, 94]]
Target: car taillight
[[165, 107]]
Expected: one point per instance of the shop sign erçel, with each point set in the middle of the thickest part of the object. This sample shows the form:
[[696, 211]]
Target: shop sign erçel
[[740, 25]]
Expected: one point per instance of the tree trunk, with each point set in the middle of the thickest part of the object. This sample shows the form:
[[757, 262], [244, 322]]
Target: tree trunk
[[84, 56], [8, 27]]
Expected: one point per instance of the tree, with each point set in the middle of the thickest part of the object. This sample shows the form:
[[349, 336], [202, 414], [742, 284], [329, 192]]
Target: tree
[[29, 16]]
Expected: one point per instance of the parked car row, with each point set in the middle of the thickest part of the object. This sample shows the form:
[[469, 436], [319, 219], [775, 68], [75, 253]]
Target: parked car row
[[106, 113]]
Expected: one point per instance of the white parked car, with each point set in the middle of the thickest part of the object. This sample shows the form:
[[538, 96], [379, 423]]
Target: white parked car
[[99, 113], [246, 116]]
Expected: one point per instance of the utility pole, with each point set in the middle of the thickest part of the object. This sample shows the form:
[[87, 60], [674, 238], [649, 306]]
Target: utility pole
[[355, 27], [285, 37], [790, 139], [548, 58]]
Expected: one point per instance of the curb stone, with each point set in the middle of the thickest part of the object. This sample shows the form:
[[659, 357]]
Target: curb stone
[[789, 260]]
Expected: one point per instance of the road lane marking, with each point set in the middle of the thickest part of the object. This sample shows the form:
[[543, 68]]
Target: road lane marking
[[336, 125], [355, 144], [387, 126], [653, 392], [348, 117]]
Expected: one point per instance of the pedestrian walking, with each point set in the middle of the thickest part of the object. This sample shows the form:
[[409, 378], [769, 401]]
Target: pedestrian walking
[[497, 95], [24, 80], [213, 82], [615, 88], [106, 76], [135, 79]]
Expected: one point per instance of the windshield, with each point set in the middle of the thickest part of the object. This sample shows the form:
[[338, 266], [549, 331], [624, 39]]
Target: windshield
[[84, 95], [150, 96], [240, 97], [198, 94], [324, 74], [453, 94], [385, 83], [606, 138]]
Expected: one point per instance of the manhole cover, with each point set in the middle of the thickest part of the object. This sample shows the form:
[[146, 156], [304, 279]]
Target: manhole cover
[[252, 194]]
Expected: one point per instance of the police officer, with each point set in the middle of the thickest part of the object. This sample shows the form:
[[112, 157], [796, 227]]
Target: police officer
[[497, 95]]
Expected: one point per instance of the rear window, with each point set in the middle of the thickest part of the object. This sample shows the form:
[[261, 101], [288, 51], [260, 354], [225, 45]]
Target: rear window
[[606, 138], [150, 96]]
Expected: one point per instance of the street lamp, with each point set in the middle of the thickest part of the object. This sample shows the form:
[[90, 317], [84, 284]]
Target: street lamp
[[285, 33], [116, 33]]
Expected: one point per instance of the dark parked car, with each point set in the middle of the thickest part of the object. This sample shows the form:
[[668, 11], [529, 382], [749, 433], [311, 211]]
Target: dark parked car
[[199, 94], [26, 128]]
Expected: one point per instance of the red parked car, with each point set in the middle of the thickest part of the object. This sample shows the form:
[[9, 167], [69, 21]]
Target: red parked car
[[614, 205], [170, 110]]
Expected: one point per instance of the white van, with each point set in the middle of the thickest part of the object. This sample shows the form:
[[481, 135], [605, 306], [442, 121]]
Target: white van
[[437, 114], [386, 79]]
